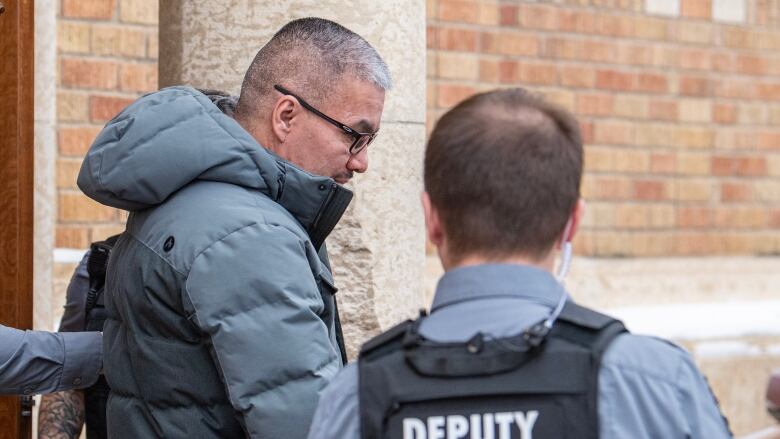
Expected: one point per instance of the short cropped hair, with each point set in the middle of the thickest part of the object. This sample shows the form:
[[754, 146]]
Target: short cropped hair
[[310, 56], [503, 169]]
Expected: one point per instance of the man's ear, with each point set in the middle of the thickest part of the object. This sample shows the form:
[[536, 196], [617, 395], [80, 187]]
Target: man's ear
[[286, 110], [432, 221], [576, 218]]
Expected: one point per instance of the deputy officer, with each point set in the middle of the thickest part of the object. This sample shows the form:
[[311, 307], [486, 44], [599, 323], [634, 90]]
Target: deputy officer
[[504, 353], [34, 362]]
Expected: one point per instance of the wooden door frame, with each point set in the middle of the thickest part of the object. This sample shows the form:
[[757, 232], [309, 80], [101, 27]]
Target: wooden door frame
[[16, 186]]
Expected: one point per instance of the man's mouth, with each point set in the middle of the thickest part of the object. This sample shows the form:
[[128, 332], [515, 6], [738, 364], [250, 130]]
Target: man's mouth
[[343, 178]]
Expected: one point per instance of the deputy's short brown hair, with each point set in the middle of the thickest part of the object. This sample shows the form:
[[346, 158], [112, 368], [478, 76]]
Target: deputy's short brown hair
[[503, 169]]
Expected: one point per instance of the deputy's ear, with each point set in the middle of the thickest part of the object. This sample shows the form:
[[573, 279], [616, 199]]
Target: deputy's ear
[[432, 221], [576, 218]]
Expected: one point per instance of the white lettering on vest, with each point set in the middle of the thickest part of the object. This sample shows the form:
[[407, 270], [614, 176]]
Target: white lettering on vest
[[479, 425], [414, 429], [436, 427]]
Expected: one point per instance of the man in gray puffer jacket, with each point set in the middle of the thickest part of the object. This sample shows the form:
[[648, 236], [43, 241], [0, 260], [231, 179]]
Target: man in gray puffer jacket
[[222, 317]]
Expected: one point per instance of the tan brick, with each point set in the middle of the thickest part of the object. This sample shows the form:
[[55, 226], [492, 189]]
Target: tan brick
[[774, 115], [599, 159], [693, 190], [100, 9], [694, 217], [71, 237], [650, 28], [74, 206], [731, 192], [696, 8], [488, 14], [614, 25], [630, 160], [740, 217], [564, 98], [665, 56], [652, 82], [139, 11], [634, 54], [118, 41], [516, 44], [538, 73], [464, 11], [73, 37], [662, 215], [103, 231], [599, 51], [138, 77], [695, 110], [431, 70], [751, 65], [75, 141], [768, 191], [72, 107], [488, 71], [593, 104], [653, 135], [631, 106], [451, 94], [104, 108], [563, 48], [694, 32], [723, 62], [724, 113], [596, 187], [602, 214], [752, 114], [88, 73], [457, 66], [576, 20], [67, 172], [631, 216], [613, 133], [538, 17], [456, 39], [579, 76], [689, 163], [773, 165], [694, 137]]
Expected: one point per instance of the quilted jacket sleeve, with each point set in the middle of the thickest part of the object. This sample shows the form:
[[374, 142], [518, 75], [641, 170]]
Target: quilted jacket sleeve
[[254, 294]]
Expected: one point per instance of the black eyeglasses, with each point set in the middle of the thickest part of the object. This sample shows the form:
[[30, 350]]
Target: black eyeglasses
[[361, 140]]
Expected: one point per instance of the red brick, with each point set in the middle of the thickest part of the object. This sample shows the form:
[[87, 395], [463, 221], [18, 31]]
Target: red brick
[[768, 140], [661, 109], [774, 219], [768, 91], [600, 51], [613, 133], [723, 62], [489, 71], [577, 76], [88, 74], [507, 43], [459, 10], [743, 166], [649, 190], [431, 37], [508, 72], [614, 25], [104, 108], [663, 163], [576, 20], [586, 130], [615, 80], [724, 113], [538, 17], [634, 54], [563, 48], [736, 192], [652, 83], [594, 104], [457, 39], [508, 15], [695, 59], [694, 217], [77, 207], [99, 9], [138, 77], [451, 94], [71, 237], [67, 171], [751, 65], [538, 73], [75, 141], [696, 8], [695, 86]]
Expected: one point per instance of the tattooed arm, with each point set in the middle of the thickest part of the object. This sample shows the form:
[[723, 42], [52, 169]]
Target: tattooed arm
[[61, 415]]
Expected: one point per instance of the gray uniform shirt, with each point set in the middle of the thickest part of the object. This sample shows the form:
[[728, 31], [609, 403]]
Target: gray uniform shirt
[[648, 387], [44, 362]]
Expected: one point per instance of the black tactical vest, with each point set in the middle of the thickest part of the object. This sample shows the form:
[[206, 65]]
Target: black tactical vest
[[96, 396], [413, 388]]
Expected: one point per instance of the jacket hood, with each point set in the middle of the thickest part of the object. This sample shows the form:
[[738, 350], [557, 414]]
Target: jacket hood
[[168, 139]]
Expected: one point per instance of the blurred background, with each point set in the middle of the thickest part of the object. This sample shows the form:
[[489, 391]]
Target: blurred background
[[679, 102]]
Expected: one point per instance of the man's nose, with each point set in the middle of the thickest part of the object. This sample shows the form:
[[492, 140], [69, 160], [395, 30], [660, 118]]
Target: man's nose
[[358, 162]]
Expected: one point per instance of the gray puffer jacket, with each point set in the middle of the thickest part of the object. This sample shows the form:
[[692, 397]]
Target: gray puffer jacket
[[222, 319]]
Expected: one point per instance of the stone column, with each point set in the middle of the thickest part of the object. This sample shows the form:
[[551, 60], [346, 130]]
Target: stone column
[[45, 156], [377, 251]]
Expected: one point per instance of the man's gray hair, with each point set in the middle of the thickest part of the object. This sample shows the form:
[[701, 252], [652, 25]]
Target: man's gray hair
[[311, 56]]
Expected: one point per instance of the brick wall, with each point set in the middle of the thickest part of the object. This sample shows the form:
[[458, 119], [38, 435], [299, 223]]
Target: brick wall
[[107, 56], [679, 102]]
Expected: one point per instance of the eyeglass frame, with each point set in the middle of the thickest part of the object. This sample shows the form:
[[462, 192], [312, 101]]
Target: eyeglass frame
[[357, 135]]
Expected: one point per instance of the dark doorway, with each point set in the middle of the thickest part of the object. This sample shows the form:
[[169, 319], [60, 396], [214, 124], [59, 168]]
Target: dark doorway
[[16, 188]]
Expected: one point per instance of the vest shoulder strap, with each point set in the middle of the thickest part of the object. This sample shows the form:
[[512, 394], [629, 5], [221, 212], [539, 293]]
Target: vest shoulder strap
[[386, 341]]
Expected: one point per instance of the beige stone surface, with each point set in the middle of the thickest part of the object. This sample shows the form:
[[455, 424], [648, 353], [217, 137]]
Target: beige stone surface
[[45, 200], [378, 249]]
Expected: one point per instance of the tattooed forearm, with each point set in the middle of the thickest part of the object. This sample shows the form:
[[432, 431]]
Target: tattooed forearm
[[61, 415]]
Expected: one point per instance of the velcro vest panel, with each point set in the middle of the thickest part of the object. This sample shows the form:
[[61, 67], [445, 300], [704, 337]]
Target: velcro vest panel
[[413, 388]]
